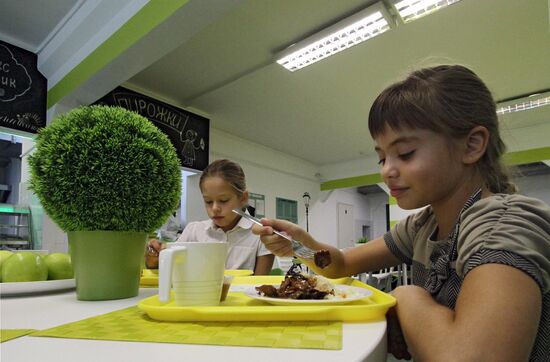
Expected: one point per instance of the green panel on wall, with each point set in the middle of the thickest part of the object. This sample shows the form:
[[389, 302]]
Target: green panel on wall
[[287, 210], [364, 180], [145, 20], [528, 156]]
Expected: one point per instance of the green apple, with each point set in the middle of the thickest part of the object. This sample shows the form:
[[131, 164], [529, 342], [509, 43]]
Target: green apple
[[24, 267], [59, 266], [4, 254]]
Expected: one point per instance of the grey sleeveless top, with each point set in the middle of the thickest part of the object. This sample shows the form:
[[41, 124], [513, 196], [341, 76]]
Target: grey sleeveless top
[[506, 229]]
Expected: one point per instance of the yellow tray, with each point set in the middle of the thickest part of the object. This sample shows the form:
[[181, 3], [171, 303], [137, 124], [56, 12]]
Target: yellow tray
[[240, 307], [239, 272], [150, 277]]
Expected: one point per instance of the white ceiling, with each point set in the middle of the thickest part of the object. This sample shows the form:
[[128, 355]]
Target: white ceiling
[[30, 24], [319, 113]]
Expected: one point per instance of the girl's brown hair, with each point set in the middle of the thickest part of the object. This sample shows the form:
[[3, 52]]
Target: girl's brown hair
[[230, 171], [451, 100]]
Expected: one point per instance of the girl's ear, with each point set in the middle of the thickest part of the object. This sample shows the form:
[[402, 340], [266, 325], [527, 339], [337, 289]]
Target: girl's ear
[[244, 198], [475, 144]]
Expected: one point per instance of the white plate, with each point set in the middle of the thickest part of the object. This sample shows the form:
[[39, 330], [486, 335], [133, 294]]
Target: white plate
[[352, 294], [16, 288]]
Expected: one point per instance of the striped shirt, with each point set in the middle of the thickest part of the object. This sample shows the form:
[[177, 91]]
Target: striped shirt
[[505, 229]]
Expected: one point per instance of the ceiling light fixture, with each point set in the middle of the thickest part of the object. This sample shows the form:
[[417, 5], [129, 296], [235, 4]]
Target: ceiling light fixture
[[410, 10], [524, 103], [346, 33]]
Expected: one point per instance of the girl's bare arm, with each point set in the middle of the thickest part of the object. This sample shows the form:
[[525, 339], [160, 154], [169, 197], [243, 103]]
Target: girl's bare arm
[[495, 319], [373, 255], [264, 263]]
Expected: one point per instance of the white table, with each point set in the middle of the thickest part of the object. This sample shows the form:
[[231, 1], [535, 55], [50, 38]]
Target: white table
[[361, 341]]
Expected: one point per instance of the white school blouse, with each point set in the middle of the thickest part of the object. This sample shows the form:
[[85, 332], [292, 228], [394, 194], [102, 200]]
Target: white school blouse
[[244, 246]]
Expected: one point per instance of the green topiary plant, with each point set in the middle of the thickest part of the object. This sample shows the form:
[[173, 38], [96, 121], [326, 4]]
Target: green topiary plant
[[105, 168]]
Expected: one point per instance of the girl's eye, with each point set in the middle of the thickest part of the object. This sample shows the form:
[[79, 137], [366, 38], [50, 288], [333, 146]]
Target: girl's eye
[[403, 156], [208, 202], [406, 156]]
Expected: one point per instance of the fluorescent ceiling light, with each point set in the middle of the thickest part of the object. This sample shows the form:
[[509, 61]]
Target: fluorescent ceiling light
[[524, 104], [348, 32], [410, 10]]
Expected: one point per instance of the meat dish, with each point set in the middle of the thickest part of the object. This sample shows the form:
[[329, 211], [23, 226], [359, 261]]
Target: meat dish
[[298, 285]]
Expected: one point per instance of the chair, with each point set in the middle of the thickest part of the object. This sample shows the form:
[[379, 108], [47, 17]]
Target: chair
[[404, 274], [384, 278]]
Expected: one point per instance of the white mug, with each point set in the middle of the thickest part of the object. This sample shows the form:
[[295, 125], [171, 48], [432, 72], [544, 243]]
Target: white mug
[[194, 270]]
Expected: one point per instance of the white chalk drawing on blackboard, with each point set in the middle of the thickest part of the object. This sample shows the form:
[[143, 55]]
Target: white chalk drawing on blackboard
[[9, 84], [30, 119], [167, 116], [189, 148]]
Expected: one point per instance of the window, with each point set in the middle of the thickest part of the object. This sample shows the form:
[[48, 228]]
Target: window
[[287, 210]]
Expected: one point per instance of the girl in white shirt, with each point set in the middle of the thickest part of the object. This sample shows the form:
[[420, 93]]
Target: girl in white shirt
[[223, 189]]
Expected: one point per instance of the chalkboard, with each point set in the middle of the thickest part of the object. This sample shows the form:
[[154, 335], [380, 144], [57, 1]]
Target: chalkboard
[[189, 132], [23, 90]]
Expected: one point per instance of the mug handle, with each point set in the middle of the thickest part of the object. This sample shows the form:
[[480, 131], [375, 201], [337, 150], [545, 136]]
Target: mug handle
[[166, 264]]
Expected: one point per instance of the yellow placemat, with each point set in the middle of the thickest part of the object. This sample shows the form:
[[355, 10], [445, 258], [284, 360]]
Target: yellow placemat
[[7, 334], [131, 324]]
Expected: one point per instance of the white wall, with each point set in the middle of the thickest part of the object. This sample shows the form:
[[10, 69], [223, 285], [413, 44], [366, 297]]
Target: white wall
[[535, 186], [532, 186], [324, 214], [268, 172], [275, 174], [266, 179], [377, 205], [365, 166]]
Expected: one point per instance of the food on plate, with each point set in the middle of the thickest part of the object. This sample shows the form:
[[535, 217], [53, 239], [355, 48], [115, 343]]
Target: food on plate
[[299, 285], [322, 258], [59, 266], [24, 267]]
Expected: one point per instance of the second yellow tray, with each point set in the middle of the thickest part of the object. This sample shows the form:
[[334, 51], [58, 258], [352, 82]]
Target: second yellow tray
[[150, 277], [240, 307]]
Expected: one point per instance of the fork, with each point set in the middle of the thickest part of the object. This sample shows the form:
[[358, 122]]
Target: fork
[[298, 248]]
